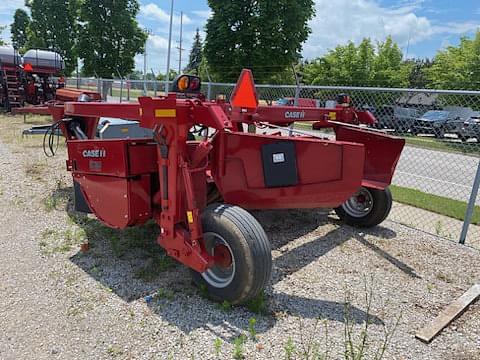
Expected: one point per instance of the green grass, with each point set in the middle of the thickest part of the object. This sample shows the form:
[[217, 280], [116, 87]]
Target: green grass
[[258, 305], [443, 145], [438, 204], [54, 241]]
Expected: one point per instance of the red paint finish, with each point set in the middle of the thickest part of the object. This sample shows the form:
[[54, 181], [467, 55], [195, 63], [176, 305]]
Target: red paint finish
[[321, 116], [71, 94], [119, 158], [381, 156], [116, 201], [128, 181], [328, 172]]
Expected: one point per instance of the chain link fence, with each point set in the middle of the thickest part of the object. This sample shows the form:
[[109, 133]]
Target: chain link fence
[[435, 175]]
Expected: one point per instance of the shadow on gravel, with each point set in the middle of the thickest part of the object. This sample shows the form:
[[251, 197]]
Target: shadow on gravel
[[323, 309], [391, 259], [283, 226], [130, 264]]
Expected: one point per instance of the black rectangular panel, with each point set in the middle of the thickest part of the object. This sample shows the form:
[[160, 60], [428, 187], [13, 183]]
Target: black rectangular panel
[[279, 164]]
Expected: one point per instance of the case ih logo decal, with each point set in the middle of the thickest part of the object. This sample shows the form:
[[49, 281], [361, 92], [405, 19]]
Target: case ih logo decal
[[94, 153], [294, 114]]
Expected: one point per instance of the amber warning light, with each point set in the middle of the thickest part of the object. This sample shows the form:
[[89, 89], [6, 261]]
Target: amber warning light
[[187, 84], [244, 95]]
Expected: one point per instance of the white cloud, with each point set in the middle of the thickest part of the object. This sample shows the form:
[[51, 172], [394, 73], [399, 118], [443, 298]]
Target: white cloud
[[157, 46], [158, 42], [367, 18], [8, 7], [153, 11], [456, 28], [202, 14]]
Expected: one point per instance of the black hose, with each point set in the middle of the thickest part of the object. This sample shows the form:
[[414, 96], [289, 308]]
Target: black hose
[[50, 146]]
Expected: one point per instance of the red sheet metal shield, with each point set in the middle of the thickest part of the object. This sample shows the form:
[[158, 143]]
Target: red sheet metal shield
[[244, 94], [328, 172]]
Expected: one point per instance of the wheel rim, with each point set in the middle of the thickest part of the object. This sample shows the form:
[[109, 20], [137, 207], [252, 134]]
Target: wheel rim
[[221, 274], [360, 204]]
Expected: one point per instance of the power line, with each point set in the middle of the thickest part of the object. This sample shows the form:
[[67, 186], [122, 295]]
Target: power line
[[169, 47], [179, 47]]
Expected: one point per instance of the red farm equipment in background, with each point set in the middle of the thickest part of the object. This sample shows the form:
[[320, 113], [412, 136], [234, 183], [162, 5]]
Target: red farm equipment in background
[[39, 66], [28, 79], [11, 90], [196, 189]]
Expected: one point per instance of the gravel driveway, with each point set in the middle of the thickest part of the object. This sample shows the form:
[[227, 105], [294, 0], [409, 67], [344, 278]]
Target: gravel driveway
[[124, 299]]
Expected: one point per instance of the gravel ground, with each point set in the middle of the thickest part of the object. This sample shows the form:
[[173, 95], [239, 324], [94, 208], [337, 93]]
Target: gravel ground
[[123, 299]]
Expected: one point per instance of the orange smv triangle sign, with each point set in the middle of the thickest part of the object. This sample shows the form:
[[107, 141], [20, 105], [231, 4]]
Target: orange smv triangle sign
[[244, 94]]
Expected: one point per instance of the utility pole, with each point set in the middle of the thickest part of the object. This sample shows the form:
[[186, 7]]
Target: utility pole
[[179, 47], [169, 47], [148, 32]]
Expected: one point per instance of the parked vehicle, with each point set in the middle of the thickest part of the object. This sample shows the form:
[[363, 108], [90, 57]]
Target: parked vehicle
[[398, 118], [303, 102], [441, 122], [470, 128]]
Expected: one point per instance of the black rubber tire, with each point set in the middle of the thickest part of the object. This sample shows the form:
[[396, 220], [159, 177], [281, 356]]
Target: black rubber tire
[[382, 204], [251, 252]]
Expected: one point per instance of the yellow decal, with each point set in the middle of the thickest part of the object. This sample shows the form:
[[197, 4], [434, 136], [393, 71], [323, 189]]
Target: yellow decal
[[168, 113], [332, 115], [190, 217], [124, 130]]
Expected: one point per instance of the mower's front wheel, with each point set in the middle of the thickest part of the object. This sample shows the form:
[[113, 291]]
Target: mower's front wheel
[[243, 260], [366, 208]]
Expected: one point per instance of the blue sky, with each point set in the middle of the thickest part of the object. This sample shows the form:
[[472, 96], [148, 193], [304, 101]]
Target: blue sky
[[421, 26]]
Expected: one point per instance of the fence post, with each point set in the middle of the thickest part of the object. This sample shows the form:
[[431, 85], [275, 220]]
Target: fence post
[[297, 96], [471, 206], [121, 85], [121, 89], [209, 86]]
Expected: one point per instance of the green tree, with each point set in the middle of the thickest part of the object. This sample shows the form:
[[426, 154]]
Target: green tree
[[1, 31], [389, 69], [263, 35], [173, 75], [19, 29], [417, 79], [362, 65], [457, 67], [345, 65], [136, 75], [54, 26], [196, 55], [110, 37]]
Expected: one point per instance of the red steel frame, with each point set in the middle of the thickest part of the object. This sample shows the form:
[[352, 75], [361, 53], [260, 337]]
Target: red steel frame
[[128, 181]]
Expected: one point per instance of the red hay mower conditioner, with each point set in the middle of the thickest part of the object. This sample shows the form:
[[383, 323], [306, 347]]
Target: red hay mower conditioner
[[197, 190]]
